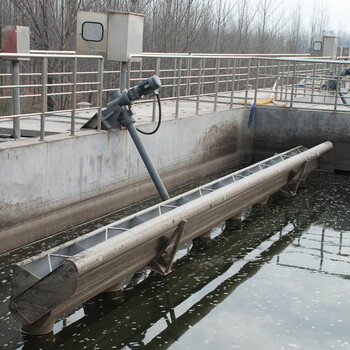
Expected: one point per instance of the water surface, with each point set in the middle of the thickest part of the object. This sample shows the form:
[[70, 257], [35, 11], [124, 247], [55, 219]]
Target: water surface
[[278, 280]]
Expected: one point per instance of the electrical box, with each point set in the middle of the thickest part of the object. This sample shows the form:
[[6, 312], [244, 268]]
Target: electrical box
[[115, 35], [91, 33], [330, 44], [15, 39], [343, 52], [324, 46], [125, 35]]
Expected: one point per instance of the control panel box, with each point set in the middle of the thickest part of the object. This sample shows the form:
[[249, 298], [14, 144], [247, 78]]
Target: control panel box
[[325, 46], [15, 39], [343, 52], [116, 35], [91, 33]]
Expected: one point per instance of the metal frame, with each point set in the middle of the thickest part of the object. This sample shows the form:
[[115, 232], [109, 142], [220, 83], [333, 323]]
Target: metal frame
[[224, 80]]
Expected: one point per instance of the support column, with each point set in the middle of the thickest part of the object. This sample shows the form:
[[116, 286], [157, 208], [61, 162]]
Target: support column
[[16, 100]]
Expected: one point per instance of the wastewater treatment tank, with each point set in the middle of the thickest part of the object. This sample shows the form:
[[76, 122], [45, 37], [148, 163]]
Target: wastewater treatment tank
[[287, 261]]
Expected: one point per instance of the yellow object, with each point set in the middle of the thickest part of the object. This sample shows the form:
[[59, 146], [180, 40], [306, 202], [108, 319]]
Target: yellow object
[[265, 101], [260, 101]]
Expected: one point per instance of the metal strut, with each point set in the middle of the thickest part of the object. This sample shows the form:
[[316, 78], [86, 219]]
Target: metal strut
[[162, 262], [295, 179]]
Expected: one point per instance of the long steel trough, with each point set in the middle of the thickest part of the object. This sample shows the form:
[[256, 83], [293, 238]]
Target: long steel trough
[[52, 283]]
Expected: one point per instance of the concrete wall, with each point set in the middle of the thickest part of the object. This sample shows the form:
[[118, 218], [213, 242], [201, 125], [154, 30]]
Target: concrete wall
[[279, 129], [63, 181]]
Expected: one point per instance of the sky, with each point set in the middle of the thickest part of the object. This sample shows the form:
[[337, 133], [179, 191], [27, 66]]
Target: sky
[[340, 15], [339, 12]]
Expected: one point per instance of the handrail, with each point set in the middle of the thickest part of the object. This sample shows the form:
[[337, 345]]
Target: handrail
[[224, 80]]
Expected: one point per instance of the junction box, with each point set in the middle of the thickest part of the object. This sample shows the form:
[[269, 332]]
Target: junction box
[[14, 39], [324, 46], [115, 35]]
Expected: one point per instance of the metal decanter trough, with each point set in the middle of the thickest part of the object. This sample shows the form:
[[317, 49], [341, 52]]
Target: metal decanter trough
[[54, 282]]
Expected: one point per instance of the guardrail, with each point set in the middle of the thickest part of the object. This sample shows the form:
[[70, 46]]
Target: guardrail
[[39, 87], [56, 81]]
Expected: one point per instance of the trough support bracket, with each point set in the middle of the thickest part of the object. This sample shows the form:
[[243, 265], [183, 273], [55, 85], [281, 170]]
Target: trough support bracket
[[295, 179], [162, 262]]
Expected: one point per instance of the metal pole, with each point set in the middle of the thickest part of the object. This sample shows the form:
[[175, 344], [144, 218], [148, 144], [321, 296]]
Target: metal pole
[[228, 73], [218, 62], [313, 83], [148, 163], [293, 85], [157, 71], [178, 90], [233, 83], [257, 81], [100, 93], [123, 74], [199, 84], [282, 81], [128, 74], [74, 95], [43, 98], [189, 72], [174, 80], [337, 88], [16, 100], [247, 84]]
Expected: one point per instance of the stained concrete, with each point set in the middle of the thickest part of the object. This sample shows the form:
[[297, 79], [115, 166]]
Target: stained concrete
[[66, 180], [49, 186], [278, 129]]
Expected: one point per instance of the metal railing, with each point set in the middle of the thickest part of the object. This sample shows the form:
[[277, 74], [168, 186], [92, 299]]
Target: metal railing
[[38, 86], [53, 82]]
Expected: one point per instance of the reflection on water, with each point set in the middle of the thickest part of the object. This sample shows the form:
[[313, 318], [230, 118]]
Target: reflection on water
[[278, 280]]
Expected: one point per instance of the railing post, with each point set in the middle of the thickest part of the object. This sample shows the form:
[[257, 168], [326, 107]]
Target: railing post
[[199, 84], [228, 73], [43, 98], [217, 72], [100, 93], [257, 81], [247, 85], [313, 83], [189, 70], [288, 79], [297, 69], [16, 100], [128, 74], [178, 90], [293, 83], [306, 76], [156, 72], [74, 95], [203, 76], [233, 82], [265, 74], [140, 73], [277, 80], [337, 88], [123, 75], [174, 80], [282, 81]]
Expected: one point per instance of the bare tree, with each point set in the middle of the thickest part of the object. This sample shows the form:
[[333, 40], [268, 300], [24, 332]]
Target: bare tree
[[267, 25], [294, 29], [319, 17]]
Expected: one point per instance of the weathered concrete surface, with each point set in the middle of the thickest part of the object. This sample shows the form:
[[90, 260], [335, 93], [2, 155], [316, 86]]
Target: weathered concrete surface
[[278, 129], [49, 186]]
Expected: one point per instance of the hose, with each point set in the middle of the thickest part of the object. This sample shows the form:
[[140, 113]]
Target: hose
[[159, 120]]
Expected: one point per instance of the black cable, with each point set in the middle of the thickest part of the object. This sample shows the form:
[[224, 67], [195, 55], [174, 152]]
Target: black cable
[[159, 121]]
